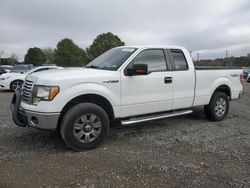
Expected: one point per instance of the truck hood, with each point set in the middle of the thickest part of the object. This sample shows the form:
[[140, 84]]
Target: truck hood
[[71, 76]]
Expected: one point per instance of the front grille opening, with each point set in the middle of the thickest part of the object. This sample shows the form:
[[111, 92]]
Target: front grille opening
[[26, 91]]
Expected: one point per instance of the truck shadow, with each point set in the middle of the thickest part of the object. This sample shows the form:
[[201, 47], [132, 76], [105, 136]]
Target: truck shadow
[[198, 114], [6, 91], [175, 124], [32, 140]]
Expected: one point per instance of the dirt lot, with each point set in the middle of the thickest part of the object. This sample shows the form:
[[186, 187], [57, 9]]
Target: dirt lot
[[186, 151]]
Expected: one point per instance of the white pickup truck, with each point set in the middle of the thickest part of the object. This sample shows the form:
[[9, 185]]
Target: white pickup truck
[[128, 84]]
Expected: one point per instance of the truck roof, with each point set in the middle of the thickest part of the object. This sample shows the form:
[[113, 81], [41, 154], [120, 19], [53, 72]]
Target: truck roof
[[154, 46]]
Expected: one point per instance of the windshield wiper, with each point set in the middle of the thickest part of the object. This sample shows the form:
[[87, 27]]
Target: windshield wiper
[[92, 67]]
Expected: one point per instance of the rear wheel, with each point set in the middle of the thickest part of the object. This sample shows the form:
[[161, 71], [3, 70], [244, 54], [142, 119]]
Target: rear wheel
[[84, 126], [16, 84], [218, 107]]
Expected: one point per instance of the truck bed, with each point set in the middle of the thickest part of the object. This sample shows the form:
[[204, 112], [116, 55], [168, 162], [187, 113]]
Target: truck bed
[[215, 68], [208, 79]]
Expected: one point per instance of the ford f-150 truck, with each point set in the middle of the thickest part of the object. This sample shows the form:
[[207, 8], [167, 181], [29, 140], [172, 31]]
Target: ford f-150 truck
[[125, 84]]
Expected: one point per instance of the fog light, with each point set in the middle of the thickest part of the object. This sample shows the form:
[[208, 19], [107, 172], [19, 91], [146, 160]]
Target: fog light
[[34, 120]]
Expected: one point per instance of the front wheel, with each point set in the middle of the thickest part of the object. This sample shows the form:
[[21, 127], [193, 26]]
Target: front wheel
[[16, 84], [84, 126], [218, 107]]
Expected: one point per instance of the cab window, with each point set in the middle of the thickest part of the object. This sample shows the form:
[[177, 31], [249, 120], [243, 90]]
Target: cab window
[[154, 58], [180, 61]]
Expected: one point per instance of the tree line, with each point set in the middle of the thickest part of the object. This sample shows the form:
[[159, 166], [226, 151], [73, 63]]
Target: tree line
[[243, 61], [68, 54]]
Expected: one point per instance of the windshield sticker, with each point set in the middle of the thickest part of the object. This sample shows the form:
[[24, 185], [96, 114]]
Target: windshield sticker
[[128, 49]]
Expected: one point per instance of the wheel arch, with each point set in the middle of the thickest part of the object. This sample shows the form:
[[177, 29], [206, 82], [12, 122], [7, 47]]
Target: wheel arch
[[90, 98], [223, 88]]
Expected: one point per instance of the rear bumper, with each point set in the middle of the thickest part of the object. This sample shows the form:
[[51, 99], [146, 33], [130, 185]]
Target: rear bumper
[[26, 118]]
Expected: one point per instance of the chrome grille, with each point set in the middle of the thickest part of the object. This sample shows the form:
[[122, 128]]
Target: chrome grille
[[27, 91]]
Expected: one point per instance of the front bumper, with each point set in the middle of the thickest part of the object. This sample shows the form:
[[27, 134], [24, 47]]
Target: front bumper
[[4, 84], [26, 118]]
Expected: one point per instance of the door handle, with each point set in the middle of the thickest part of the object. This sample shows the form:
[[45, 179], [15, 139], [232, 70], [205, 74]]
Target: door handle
[[168, 80]]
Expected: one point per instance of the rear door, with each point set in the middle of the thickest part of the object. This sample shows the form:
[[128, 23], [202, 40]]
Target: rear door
[[183, 79], [142, 94]]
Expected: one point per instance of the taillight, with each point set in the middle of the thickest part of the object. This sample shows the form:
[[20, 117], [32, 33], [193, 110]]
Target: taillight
[[241, 77]]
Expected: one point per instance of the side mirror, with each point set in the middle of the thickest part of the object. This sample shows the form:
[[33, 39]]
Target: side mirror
[[137, 69]]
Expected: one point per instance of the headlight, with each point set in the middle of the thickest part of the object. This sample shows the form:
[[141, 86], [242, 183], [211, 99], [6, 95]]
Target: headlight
[[5, 78], [44, 93]]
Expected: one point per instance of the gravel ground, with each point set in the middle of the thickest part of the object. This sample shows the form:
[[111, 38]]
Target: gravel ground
[[186, 151]]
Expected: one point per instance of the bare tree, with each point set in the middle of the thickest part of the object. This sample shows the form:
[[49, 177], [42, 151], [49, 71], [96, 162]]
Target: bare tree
[[1, 54], [50, 54], [14, 58]]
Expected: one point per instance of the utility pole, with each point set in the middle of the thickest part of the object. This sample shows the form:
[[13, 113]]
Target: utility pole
[[1, 53], [227, 53], [198, 56], [191, 53]]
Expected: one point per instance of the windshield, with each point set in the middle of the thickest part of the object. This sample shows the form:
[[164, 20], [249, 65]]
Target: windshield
[[246, 69], [112, 59], [20, 68]]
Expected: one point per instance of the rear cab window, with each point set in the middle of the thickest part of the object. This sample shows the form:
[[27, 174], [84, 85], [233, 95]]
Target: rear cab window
[[179, 60]]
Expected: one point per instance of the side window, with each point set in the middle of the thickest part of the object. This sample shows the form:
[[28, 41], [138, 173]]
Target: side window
[[179, 60], [155, 60]]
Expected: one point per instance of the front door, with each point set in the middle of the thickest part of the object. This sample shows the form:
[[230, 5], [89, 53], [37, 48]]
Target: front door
[[142, 94]]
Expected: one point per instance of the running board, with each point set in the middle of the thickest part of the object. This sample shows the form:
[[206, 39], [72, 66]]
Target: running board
[[155, 117]]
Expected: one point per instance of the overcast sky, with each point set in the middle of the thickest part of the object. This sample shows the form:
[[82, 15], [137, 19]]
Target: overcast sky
[[208, 26]]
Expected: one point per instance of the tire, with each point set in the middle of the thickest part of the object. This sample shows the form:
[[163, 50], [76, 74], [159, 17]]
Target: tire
[[84, 126], [15, 84], [218, 107]]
